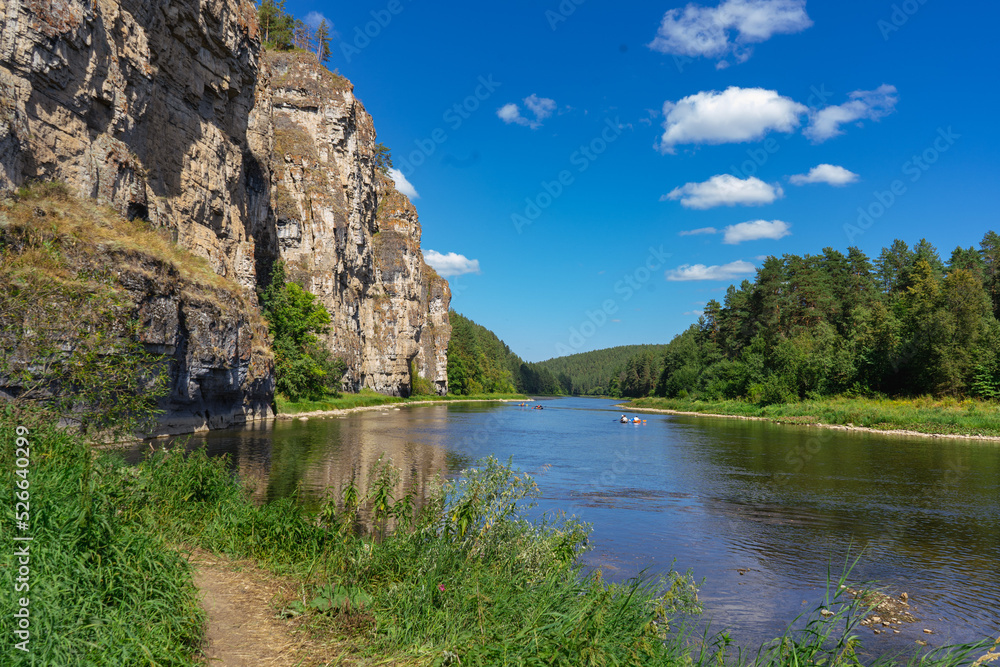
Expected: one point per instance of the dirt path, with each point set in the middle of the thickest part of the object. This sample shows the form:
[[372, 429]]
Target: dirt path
[[243, 629]]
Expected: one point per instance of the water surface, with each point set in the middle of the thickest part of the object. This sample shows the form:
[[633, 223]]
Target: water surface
[[761, 511]]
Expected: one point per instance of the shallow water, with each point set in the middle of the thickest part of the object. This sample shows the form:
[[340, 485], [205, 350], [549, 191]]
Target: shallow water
[[763, 512]]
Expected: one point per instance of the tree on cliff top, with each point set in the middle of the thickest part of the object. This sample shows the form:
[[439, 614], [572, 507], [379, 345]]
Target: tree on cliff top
[[277, 24], [322, 39], [303, 366]]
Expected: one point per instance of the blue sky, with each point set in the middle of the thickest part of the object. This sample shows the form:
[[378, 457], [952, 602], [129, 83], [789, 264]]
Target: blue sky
[[561, 149]]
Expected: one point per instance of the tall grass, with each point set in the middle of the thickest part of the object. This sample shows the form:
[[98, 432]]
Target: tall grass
[[105, 589]]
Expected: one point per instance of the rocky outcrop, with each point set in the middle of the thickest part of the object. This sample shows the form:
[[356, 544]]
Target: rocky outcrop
[[349, 236], [168, 111], [204, 328], [151, 107]]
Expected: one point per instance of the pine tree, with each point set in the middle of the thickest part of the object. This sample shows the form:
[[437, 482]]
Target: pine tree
[[322, 39]]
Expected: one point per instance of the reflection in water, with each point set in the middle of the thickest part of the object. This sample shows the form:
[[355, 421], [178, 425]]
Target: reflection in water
[[761, 511]]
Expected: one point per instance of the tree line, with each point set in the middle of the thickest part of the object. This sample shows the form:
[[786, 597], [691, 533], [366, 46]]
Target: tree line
[[283, 32], [907, 323], [479, 362]]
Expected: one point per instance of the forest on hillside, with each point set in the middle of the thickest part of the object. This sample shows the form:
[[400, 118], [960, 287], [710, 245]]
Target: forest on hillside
[[479, 362], [608, 372], [906, 323]]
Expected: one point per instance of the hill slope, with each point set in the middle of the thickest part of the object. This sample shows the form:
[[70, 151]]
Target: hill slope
[[597, 372]]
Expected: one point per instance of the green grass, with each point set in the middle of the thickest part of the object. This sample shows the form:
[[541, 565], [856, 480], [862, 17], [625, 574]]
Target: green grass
[[105, 588], [367, 397], [924, 414]]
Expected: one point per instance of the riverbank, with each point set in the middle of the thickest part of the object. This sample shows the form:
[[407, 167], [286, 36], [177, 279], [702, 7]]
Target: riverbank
[[369, 400], [454, 576], [918, 417]]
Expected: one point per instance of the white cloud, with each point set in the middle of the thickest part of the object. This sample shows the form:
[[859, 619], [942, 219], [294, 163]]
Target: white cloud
[[864, 105], [540, 107], [699, 313], [726, 190], [755, 230], [825, 173], [451, 264], [718, 32], [696, 232], [313, 19], [729, 271], [402, 184], [732, 116]]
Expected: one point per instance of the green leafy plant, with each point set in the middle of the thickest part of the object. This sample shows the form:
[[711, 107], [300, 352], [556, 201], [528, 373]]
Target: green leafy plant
[[304, 367]]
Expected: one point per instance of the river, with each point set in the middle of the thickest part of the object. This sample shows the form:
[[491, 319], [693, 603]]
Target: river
[[761, 511]]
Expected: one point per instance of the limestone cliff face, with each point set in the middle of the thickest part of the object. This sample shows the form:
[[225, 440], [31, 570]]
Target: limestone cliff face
[[349, 236], [167, 110], [151, 107]]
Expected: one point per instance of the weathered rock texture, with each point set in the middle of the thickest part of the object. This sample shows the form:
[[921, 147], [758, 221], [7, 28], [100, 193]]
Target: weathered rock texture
[[206, 329], [167, 110], [349, 236]]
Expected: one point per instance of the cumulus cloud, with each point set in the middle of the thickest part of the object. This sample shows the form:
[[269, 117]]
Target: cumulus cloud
[[729, 271], [756, 230], [718, 32], [451, 264], [825, 173], [864, 105], [540, 107], [696, 232], [726, 190], [402, 184], [732, 116]]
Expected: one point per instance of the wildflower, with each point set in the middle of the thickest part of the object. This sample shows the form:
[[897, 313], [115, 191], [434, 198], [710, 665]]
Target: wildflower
[[441, 587]]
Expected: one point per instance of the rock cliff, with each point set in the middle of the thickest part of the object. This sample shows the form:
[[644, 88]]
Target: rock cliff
[[168, 111], [349, 236]]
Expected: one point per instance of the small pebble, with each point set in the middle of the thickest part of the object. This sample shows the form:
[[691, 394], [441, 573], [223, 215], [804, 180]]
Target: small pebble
[[927, 632], [826, 612]]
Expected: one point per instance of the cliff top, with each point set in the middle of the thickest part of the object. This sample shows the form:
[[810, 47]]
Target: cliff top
[[299, 73]]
